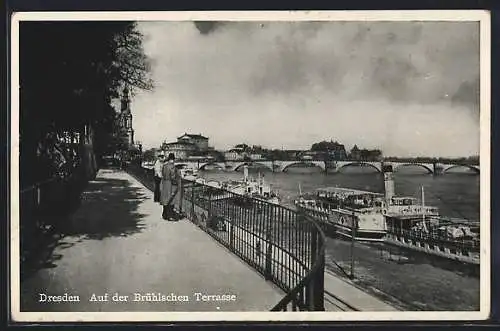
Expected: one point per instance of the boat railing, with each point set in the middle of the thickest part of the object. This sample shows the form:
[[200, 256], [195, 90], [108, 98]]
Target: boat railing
[[283, 244], [411, 210], [434, 236]]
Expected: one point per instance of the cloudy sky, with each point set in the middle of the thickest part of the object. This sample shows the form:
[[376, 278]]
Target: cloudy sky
[[407, 88]]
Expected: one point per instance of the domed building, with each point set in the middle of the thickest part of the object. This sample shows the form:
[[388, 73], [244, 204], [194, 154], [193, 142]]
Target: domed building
[[189, 146]]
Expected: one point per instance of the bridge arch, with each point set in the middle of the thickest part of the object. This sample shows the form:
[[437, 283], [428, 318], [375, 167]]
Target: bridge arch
[[473, 168], [426, 167], [357, 164], [315, 163], [204, 164], [238, 166]]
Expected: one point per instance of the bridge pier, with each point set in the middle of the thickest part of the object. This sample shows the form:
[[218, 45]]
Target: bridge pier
[[437, 169], [332, 167]]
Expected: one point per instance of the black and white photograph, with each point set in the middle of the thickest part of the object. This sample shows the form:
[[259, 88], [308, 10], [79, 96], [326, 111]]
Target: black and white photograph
[[226, 166]]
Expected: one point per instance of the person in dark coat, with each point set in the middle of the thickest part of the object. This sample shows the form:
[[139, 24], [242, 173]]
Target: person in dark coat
[[169, 187], [158, 168]]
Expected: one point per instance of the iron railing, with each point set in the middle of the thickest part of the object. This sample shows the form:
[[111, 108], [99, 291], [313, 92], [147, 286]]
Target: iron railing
[[284, 245], [42, 204]]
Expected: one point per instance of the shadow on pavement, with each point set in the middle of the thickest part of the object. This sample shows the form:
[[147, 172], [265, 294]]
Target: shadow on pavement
[[108, 208]]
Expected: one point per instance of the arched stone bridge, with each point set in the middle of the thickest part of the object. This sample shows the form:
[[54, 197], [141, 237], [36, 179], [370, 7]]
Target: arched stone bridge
[[333, 166]]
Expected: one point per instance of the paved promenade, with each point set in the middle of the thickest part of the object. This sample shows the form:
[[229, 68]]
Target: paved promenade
[[340, 293], [118, 244]]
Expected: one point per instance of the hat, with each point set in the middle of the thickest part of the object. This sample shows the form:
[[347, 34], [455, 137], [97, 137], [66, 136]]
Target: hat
[[161, 154], [171, 156]]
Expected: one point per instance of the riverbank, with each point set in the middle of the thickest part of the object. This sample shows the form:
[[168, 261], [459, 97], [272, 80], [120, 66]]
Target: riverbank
[[414, 281], [405, 279]]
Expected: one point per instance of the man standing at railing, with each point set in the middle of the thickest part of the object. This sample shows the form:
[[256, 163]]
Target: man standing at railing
[[158, 174], [169, 188]]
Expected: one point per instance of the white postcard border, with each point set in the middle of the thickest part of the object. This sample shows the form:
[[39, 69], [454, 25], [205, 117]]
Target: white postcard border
[[416, 15]]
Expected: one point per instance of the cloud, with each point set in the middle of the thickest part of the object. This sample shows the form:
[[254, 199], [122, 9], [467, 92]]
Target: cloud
[[416, 62], [206, 27], [391, 85]]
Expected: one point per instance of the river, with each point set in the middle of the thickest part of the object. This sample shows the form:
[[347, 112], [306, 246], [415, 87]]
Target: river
[[421, 282]]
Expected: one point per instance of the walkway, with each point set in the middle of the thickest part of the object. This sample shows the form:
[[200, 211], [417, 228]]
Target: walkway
[[341, 294], [121, 248], [118, 243]]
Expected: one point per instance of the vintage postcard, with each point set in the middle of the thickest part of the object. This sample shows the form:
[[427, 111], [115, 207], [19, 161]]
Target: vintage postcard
[[250, 166]]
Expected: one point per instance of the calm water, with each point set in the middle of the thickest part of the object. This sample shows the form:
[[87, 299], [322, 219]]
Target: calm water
[[456, 194], [421, 282]]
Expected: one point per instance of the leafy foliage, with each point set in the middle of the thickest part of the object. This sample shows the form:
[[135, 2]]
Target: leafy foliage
[[244, 147], [325, 146], [149, 154], [69, 73], [74, 69]]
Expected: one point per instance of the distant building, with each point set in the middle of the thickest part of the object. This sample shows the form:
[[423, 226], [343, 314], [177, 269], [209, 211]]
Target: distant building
[[123, 121], [200, 158], [181, 150], [123, 132], [200, 141], [256, 156], [365, 154], [312, 155], [375, 155], [188, 145], [355, 153], [235, 154], [329, 150], [338, 152], [293, 154]]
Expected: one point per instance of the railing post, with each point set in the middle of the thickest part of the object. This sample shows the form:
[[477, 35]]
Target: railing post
[[269, 252], [181, 194], [306, 295], [192, 200], [319, 280], [311, 287], [209, 207], [231, 232], [209, 210], [353, 235]]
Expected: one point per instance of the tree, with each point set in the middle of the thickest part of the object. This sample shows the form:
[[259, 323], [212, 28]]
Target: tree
[[244, 147], [330, 150], [131, 66], [278, 154], [69, 73], [257, 149], [219, 156], [149, 155]]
